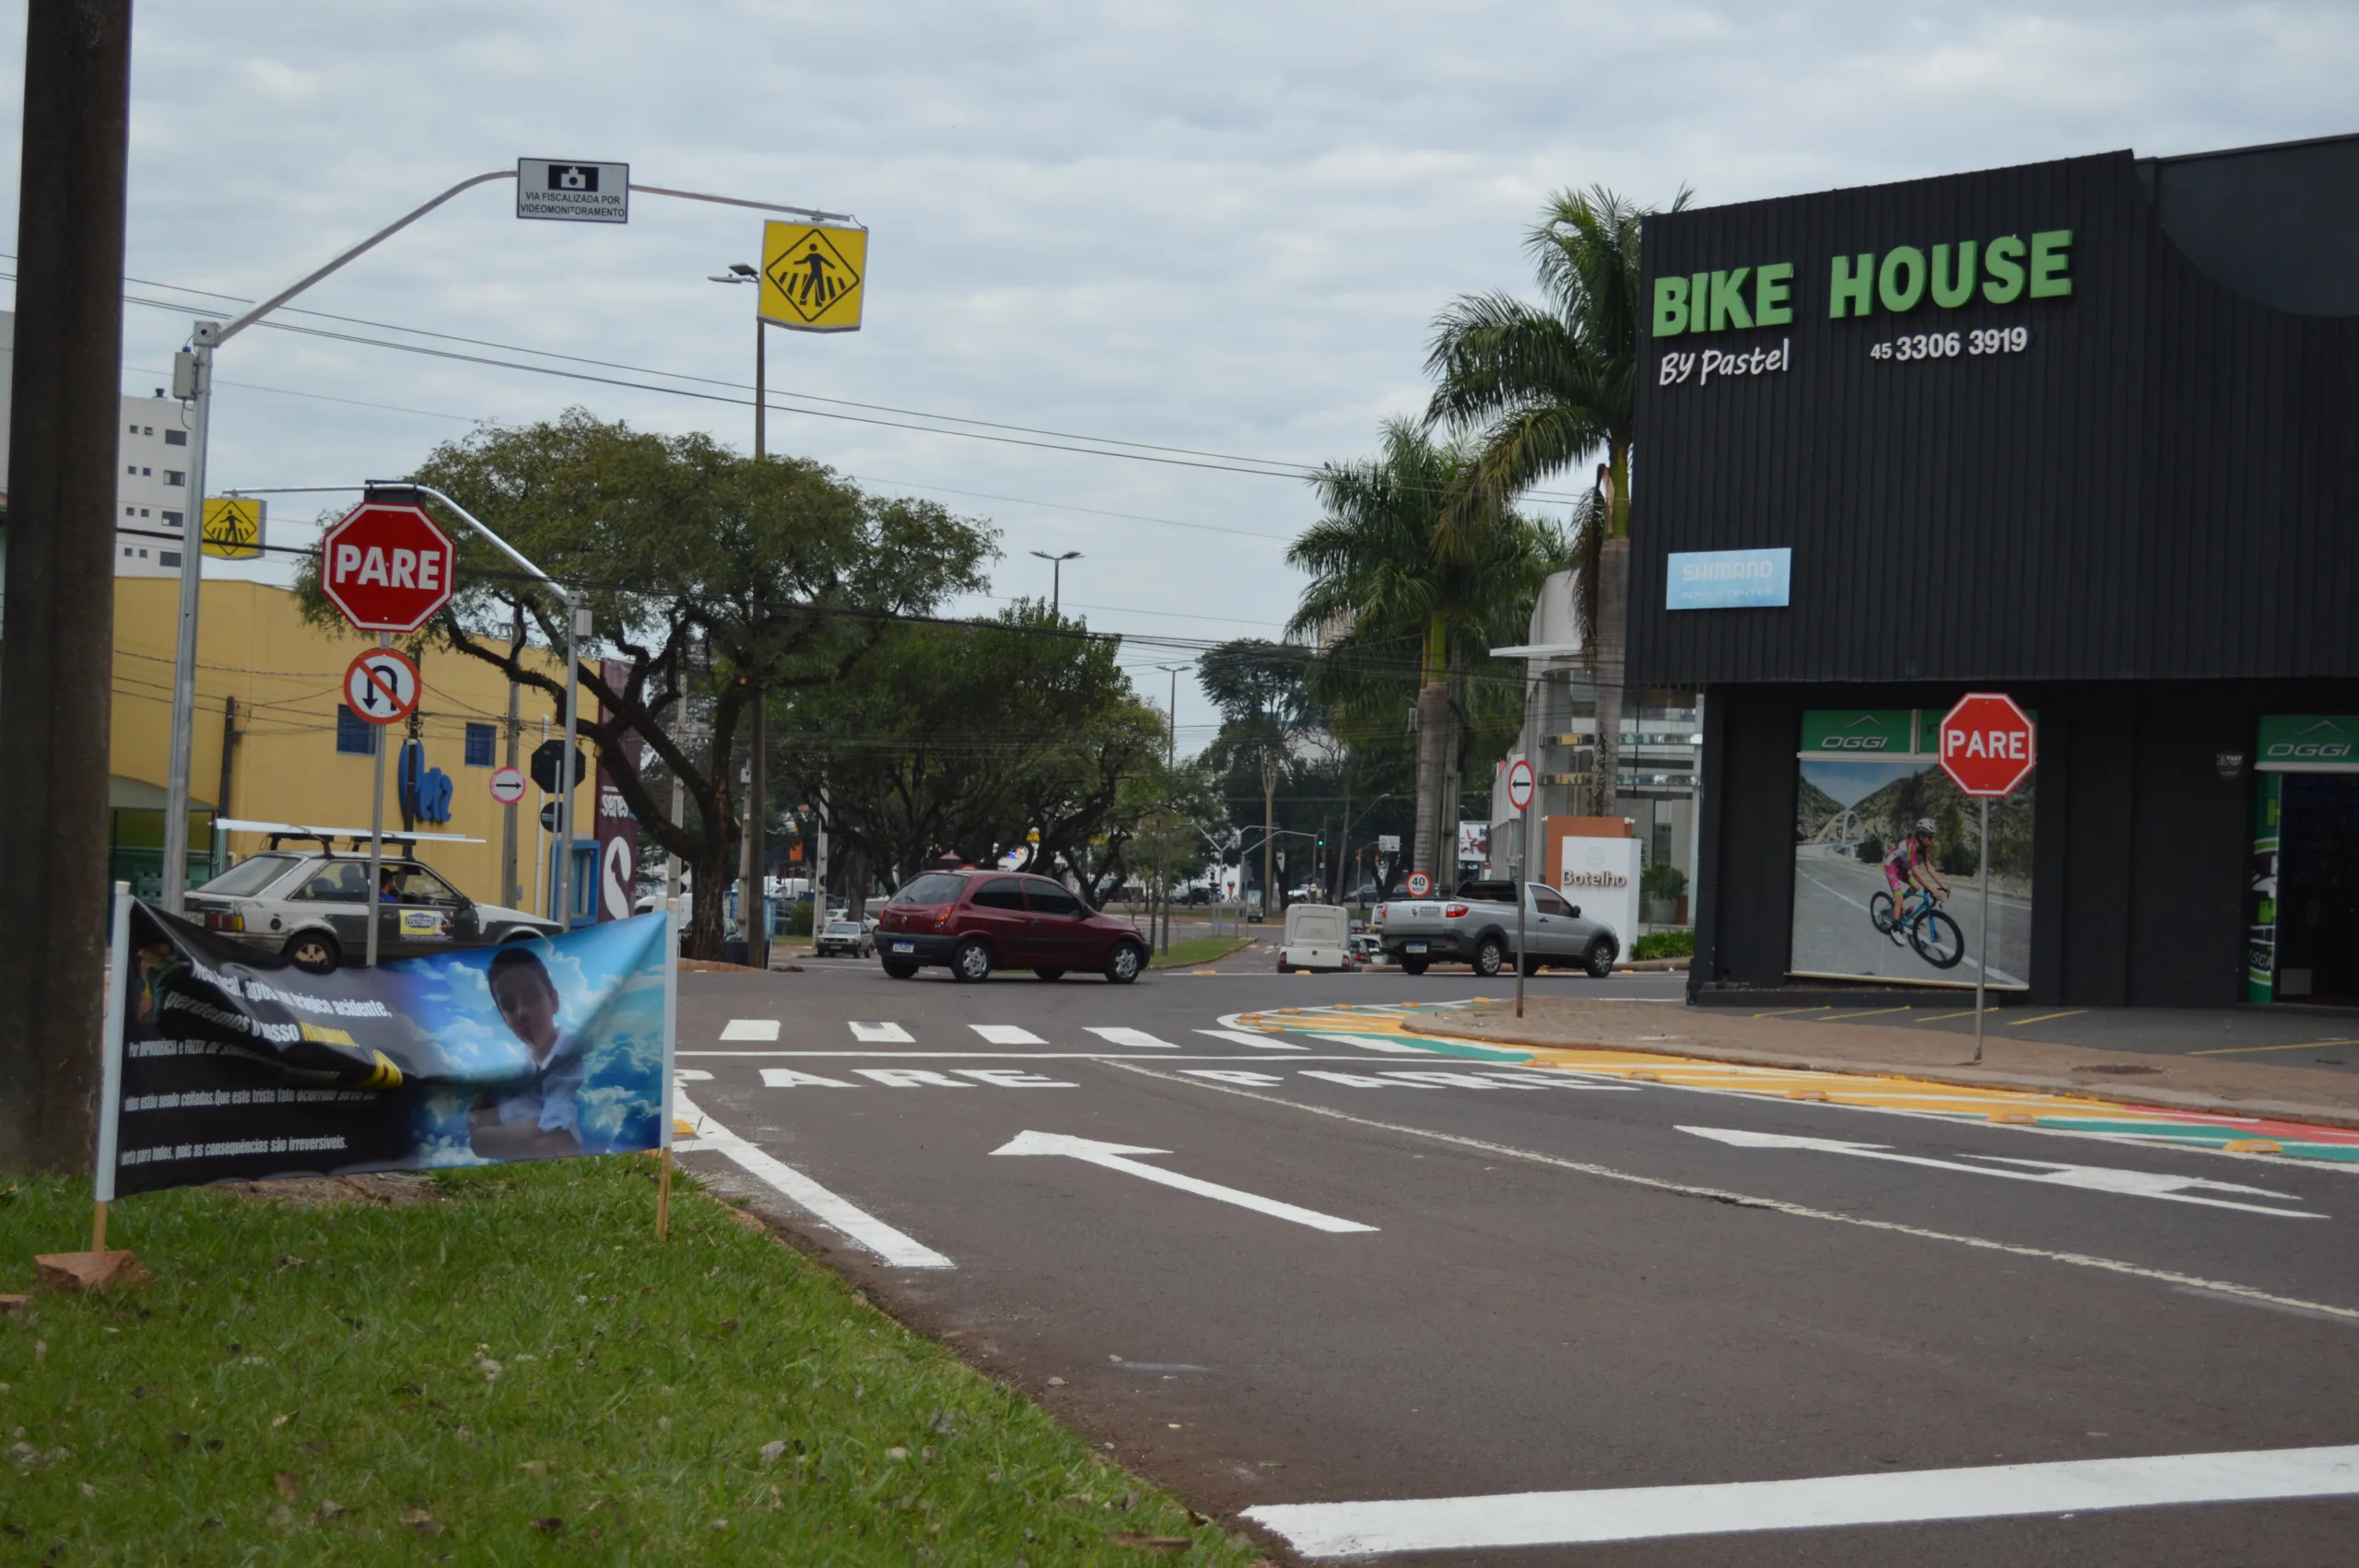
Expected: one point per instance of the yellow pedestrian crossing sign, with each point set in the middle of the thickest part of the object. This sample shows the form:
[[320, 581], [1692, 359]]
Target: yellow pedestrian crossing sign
[[811, 275], [233, 527]]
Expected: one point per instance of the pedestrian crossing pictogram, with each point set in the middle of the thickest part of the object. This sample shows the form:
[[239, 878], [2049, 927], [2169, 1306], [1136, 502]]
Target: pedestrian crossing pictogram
[[233, 528], [811, 275]]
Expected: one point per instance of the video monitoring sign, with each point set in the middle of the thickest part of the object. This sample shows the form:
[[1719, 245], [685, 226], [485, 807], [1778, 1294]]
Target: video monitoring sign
[[572, 192]]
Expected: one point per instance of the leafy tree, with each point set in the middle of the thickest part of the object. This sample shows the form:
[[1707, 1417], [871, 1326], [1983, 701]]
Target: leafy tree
[[1418, 574], [1547, 385], [717, 581], [1264, 693], [967, 739]]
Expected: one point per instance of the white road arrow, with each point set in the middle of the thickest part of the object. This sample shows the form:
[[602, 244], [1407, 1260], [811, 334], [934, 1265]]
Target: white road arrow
[[1110, 1155], [2049, 1173]]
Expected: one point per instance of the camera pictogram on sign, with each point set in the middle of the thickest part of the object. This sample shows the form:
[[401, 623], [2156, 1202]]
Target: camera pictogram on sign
[[573, 177]]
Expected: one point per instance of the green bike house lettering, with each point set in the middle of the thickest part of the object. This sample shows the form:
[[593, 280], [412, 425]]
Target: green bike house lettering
[[1740, 298], [1999, 272]]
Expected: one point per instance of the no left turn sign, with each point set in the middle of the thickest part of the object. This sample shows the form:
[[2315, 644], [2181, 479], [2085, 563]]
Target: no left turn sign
[[380, 687]]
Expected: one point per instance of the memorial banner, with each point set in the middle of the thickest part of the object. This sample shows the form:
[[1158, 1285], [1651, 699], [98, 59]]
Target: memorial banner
[[228, 1063]]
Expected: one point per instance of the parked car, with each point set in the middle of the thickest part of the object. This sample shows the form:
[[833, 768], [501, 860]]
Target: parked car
[[975, 921], [1317, 936], [1471, 928], [1368, 947], [313, 906], [848, 938]]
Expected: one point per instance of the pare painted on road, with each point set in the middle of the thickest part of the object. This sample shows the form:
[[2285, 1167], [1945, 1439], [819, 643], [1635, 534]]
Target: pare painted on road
[[914, 1078]]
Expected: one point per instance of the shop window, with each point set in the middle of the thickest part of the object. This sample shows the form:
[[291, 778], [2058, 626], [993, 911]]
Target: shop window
[[355, 736], [480, 738]]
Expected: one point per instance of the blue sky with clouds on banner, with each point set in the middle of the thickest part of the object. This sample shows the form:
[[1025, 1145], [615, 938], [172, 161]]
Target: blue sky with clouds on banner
[[1219, 227]]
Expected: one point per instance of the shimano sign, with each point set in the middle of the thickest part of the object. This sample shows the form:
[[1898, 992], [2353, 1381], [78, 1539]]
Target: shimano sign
[[1729, 580]]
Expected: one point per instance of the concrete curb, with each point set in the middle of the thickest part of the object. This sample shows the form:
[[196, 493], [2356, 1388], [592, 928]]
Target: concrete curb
[[1654, 965], [1961, 1078]]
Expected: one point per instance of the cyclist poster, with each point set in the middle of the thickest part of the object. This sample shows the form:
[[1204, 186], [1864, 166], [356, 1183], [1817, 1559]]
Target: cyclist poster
[[1878, 827]]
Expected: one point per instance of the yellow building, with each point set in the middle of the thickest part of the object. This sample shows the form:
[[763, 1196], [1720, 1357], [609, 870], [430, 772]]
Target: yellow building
[[269, 686]]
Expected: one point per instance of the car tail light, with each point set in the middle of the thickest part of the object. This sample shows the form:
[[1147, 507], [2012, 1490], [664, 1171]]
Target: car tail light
[[943, 918], [1380, 911], [225, 922], [1454, 911]]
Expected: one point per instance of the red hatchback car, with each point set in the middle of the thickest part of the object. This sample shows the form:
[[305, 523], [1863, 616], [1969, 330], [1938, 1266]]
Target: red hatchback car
[[974, 922]]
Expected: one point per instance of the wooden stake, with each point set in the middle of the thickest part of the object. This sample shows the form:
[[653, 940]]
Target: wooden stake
[[98, 1226], [664, 1194]]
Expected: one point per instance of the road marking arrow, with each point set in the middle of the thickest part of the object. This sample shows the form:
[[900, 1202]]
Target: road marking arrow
[[1110, 1155], [2050, 1172]]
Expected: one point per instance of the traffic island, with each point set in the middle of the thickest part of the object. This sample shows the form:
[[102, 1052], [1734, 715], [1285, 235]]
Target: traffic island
[[2169, 1082], [492, 1366]]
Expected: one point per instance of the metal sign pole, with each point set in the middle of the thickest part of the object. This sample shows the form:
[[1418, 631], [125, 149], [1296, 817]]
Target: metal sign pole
[[1523, 898], [1982, 942], [377, 830], [194, 366]]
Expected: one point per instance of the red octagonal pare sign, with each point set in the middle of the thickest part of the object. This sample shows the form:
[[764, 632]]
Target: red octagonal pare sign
[[1986, 745], [387, 567]]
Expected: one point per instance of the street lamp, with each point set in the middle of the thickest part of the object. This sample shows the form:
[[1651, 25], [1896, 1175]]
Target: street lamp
[[1057, 579], [753, 861]]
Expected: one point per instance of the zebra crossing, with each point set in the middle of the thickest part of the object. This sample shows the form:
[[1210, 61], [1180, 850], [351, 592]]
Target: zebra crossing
[[886, 1032]]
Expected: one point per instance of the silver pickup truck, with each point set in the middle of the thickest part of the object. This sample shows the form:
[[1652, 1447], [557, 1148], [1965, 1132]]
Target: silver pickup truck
[[1478, 928]]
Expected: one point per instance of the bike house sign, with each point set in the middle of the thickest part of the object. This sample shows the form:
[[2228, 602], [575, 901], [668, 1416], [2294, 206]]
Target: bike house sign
[[1909, 288]]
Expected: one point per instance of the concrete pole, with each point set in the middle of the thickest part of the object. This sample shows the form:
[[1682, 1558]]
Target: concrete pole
[[67, 399], [511, 889], [575, 629]]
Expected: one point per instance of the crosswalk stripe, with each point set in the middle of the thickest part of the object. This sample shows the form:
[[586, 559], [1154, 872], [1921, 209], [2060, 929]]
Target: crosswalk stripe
[[750, 1029], [1117, 1037], [1258, 1042], [1006, 1035], [881, 1035]]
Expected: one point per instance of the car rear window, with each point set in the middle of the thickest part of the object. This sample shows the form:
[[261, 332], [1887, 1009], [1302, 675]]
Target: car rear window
[[249, 876], [935, 887]]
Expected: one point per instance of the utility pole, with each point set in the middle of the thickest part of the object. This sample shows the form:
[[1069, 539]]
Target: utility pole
[[1170, 759], [512, 890], [66, 397]]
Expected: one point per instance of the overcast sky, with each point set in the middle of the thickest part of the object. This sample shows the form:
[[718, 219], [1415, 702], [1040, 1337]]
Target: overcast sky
[[1214, 226]]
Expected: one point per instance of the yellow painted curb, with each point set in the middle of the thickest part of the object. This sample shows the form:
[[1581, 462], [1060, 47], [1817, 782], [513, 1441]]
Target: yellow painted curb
[[2253, 1146]]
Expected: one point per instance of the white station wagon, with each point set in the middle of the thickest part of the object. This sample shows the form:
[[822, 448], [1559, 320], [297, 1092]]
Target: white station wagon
[[313, 908]]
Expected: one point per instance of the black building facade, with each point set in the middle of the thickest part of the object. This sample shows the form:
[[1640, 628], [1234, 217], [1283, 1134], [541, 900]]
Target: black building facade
[[2086, 432]]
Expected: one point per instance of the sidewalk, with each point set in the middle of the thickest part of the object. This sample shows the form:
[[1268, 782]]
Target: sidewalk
[[2171, 1082]]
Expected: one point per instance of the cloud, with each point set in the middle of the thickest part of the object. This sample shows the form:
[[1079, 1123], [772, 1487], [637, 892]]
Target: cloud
[[1214, 225]]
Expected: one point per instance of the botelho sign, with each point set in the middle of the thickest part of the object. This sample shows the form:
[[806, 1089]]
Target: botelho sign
[[1998, 272]]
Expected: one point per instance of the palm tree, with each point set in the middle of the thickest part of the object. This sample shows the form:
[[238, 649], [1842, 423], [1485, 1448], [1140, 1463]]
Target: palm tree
[[1548, 384], [1393, 560]]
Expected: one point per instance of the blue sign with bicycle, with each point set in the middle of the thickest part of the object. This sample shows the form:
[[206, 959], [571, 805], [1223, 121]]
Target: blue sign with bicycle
[[1729, 580]]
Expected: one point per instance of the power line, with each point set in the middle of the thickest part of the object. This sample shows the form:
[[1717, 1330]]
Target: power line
[[1187, 457]]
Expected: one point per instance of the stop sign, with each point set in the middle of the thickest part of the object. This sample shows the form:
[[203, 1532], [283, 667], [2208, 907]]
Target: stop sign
[[1986, 745], [387, 567]]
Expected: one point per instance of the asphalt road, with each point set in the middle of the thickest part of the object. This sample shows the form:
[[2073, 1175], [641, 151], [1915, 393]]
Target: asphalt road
[[1833, 934], [1351, 1274]]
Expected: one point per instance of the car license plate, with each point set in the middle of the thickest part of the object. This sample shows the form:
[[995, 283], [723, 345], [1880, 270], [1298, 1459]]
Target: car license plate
[[1413, 947], [905, 947]]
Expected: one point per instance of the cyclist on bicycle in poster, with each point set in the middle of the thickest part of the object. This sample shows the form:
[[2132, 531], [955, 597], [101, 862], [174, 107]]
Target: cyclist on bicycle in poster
[[1911, 864]]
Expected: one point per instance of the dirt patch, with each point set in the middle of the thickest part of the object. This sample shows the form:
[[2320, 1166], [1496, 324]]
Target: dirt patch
[[394, 1189]]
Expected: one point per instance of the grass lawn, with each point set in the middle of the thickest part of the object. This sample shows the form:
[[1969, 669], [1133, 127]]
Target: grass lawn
[[510, 1370], [1192, 951]]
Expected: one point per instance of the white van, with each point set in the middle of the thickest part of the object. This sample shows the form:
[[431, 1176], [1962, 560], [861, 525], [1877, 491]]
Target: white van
[[1318, 936]]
